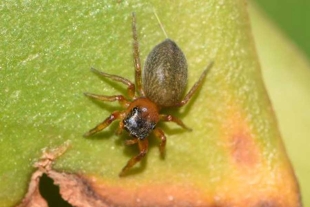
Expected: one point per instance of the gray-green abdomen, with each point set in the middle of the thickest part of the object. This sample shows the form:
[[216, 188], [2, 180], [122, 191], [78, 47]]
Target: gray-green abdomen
[[165, 74]]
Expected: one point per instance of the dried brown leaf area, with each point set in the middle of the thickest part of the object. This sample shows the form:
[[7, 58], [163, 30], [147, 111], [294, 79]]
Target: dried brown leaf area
[[81, 190], [33, 197], [73, 188]]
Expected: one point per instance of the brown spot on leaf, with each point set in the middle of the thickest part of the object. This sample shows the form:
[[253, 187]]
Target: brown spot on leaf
[[243, 149], [238, 135]]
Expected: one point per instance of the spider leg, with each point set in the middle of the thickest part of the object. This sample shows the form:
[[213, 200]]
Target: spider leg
[[171, 118], [143, 147], [161, 135], [114, 116], [195, 86], [120, 128], [136, 57], [131, 141], [121, 99], [128, 83]]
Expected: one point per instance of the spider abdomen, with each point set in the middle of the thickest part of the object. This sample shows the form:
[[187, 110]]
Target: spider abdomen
[[165, 74]]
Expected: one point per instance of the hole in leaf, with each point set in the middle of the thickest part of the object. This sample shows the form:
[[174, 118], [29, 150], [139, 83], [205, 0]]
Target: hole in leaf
[[50, 193]]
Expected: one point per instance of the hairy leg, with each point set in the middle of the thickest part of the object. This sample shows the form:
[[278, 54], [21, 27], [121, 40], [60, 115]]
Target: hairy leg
[[195, 86], [128, 83], [114, 116]]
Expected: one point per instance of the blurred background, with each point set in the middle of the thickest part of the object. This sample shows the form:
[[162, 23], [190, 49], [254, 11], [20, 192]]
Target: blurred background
[[292, 16]]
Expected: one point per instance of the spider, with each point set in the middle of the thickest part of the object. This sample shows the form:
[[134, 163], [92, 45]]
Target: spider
[[162, 85]]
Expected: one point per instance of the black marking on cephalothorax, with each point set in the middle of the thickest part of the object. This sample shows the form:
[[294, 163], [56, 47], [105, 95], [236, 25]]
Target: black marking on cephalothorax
[[138, 123]]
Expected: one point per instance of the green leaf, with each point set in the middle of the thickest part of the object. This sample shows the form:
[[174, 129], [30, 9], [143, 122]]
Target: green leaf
[[235, 148]]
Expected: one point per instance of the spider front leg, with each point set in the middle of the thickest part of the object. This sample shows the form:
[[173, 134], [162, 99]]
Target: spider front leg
[[131, 141], [121, 99], [130, 86], [143, 147], [136, 57], [114, 116]]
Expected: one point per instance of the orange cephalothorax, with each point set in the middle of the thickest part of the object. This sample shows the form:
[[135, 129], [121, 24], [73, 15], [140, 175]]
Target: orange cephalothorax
[[141, 119]]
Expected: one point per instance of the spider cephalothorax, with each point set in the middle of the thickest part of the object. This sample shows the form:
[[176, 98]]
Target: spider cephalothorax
[[142, 118]]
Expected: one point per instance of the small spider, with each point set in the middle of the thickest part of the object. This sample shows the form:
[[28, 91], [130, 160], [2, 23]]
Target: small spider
[[163, 84]]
